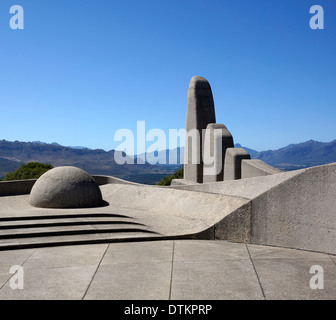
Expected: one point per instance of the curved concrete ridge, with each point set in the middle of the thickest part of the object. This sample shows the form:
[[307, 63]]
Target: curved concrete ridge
[[292, 209], [174, 212], [102, 180], [255, 168], [248, 188]]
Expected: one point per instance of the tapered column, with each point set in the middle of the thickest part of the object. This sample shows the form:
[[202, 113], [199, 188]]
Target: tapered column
[[200, 112]]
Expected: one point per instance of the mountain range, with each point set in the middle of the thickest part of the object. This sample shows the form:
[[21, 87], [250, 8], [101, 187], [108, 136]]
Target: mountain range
[[98, 161]]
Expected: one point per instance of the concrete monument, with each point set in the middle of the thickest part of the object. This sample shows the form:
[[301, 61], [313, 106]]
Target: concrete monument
[[65, 187], [217, 140], [233, 163], [200, 112]]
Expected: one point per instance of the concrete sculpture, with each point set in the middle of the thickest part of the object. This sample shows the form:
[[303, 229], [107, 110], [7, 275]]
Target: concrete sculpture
[[65, 187], [200, 112], [233, 161], [257, 208], [217, 140]]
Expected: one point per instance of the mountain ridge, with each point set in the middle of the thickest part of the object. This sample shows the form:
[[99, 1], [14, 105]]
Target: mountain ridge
[[99, 161]]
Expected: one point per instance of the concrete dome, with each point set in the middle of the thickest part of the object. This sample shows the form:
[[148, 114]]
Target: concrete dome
[[65, 187]]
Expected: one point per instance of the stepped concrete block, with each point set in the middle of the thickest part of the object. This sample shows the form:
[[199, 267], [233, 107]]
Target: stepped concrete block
[[217, 140], [200, 112], [255, 168], [233, 162]]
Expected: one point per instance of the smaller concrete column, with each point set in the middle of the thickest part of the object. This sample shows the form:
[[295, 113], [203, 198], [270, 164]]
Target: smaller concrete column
[[217, 139], [233, 162]]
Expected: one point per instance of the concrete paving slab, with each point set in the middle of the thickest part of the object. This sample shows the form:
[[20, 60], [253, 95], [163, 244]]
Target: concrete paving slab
[[53, 283], [180, 269], [288, 279], [152, 251], [333, 258], [131, 281], [268, 252], [4, 277], [67, 256], [9, 259], [225, 279], [15, 257], [203, 250]]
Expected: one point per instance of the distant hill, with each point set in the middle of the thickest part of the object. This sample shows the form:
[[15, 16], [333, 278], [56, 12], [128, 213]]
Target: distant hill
[[301, 155], [13, 154], [7, 165], [56, 144], [164, 156], [250, 151], [294, 156]]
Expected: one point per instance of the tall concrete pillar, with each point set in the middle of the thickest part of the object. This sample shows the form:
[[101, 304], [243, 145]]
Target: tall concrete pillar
[[233, 163], [216, 140], [200, 112]]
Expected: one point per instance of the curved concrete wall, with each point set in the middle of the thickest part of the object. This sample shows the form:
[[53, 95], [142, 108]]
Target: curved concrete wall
[[20, 187], [12, 188], [292, 209], [255, 168], [298, 213]]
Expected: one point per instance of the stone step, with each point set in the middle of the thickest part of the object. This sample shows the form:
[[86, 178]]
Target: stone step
[[64, 222], [65, 240], [71, 230], [43, 216], [52, 229]]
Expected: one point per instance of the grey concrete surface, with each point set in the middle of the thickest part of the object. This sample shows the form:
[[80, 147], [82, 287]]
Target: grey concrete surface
[[182, 182], [175, 212], [22, 187], [292, 209], [9, 188], [162, 270], [244, 188], [217, 140], [101, 180], [255, 168], [233, 163], [65, 187], [299, 213], [200, 112]]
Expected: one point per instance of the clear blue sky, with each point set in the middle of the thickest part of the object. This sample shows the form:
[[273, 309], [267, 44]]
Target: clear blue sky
[[80, 70]]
